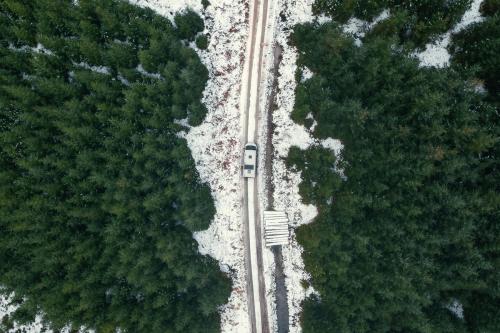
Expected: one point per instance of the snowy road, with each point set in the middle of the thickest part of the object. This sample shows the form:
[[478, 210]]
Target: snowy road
[[249, 102]]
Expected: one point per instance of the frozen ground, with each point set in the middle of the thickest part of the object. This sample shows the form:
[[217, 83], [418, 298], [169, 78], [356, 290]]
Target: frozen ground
[[216, 148], [358, 28]]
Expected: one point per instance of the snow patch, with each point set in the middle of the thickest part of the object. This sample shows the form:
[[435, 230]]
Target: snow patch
[[456, 308], [123, 80], [358, 28], [472, 15], [169, 8], [332, 144], [384, 15], [436, 54], [322, 19], [97, 69], [217, 150], [39, 48], [141, 70], [306, 74], [479, 87], [355, 27]]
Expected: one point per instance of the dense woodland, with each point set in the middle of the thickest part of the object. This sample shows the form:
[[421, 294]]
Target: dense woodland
[[412, 21], [407, 236], [99, 194]]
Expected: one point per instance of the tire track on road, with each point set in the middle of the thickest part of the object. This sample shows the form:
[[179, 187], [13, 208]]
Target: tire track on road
[[249, 102]]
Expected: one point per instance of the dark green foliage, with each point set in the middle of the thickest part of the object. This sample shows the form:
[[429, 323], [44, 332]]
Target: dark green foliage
[[411, 20], [320, 163], [410, 225], [98, 195], [478, 48], [205, 3], [490, 7], [202, 42], [342, 10], [188, 25]]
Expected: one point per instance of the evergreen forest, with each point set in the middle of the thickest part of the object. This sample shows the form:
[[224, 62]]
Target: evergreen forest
[[99, 195], [407, 239]]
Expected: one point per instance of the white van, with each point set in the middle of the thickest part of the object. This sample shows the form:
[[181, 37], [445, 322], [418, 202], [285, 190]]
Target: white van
[[250, 160]]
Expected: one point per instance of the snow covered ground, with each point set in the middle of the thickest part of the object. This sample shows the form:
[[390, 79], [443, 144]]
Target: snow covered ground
[[216, 148]]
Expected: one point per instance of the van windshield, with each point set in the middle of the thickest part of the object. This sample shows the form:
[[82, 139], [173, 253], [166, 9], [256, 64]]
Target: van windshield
[[248, 167]]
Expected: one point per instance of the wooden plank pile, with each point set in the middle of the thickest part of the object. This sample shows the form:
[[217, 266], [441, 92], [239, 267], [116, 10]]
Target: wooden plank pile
[[275, 228]]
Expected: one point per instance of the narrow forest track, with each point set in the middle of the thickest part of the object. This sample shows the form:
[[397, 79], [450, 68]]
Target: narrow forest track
[[249, 102]]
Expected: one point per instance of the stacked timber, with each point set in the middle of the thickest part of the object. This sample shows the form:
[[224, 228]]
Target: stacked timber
[[275, 228]]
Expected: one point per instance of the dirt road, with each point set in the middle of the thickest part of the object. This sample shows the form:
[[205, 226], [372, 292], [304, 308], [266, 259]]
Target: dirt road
[[249, 102]]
